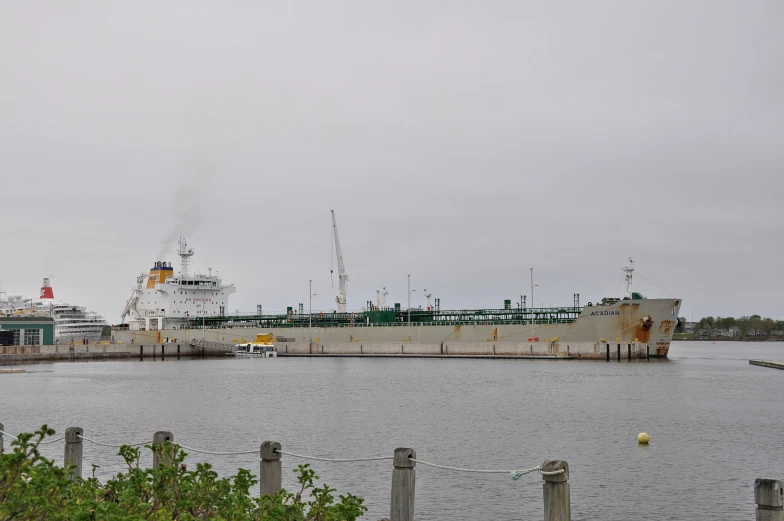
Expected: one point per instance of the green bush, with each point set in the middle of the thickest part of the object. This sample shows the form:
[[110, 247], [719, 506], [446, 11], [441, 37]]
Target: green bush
[[35, 488]]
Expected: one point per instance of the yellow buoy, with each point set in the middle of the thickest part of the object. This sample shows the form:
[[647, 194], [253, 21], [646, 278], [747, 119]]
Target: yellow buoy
[[643, 438]]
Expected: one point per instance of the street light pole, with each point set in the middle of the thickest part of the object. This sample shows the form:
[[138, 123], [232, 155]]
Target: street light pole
[[532, 305], [310, 303], [409, 307]]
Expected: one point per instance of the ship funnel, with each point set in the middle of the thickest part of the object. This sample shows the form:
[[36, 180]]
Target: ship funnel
[[46, 290]]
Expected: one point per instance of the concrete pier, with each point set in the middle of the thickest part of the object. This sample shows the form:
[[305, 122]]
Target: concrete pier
[[484, 350], [768, 363], [17, 354]]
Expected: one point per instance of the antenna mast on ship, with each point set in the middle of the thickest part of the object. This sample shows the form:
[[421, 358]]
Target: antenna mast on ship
[[627, 271], [342, 276], [185, 256], [381, 298]]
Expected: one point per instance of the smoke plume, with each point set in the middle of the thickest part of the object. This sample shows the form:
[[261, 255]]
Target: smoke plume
[[188, 204]]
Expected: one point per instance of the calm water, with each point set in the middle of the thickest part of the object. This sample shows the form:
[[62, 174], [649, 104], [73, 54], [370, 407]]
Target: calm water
[[716, 424]]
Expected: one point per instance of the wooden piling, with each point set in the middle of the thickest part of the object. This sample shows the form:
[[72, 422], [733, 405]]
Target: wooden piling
[[557, 504], [403, 485], [608, 351], [619, 352], [2, 428], [270, 471], [159, 454], [629, 348], [73, 452], [769, 497]]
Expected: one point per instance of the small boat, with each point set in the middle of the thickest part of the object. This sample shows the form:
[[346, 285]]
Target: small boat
[[254, 350]]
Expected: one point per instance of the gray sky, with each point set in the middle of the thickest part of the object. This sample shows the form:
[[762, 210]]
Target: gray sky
[[461, 142]]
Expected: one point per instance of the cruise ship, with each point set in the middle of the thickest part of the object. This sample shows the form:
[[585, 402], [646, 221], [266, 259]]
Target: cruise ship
[[73, 323]]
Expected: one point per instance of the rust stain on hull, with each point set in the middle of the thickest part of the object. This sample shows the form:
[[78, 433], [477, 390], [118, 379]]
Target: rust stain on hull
[[642, 335], [631, 321]]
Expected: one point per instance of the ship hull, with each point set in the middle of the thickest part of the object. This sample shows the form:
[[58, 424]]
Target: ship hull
[[644, 326]]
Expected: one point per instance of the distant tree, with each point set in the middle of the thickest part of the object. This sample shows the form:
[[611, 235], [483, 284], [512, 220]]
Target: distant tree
[[780, 325], [707, 323], [743, 323], [728, 322], [755, 323], [768, 325]]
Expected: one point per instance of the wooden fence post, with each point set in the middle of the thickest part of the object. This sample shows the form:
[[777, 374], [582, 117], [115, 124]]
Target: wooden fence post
[[403, 485], [270, 470], [557, 505], [769, 497], [159, 440], [73, 451]]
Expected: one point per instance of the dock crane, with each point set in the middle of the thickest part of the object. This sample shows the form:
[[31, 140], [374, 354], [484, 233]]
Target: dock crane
[[342, 276]]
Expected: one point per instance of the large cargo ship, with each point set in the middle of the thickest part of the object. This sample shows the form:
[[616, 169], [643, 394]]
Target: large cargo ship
[[162, 299], [164, 302]]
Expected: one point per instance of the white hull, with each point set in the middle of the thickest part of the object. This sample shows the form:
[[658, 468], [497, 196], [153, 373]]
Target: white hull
[[91, 333], [269, 354]]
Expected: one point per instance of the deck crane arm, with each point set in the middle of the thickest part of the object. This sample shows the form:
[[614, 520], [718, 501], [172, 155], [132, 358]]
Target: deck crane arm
[[342, 276]]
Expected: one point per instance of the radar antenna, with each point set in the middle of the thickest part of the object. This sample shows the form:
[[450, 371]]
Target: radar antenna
[[185, 254], [381, 298], [627, 271]]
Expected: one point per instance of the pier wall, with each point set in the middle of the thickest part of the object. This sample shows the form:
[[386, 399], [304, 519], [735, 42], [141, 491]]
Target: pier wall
[[577, 350], [15, 354], [128, 350]]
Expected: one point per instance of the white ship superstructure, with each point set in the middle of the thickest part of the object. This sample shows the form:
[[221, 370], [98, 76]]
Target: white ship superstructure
[[73, 323], [163, 300]]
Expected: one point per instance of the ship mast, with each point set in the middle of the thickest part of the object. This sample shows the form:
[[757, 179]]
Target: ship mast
[[342, 276], [627, 271], [185, 256], [381, 298]]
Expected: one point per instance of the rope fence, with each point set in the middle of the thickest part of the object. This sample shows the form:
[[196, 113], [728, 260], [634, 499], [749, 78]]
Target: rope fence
[[514, 474], [768, 493], [404, 461], [333, 460], [111, 445]]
